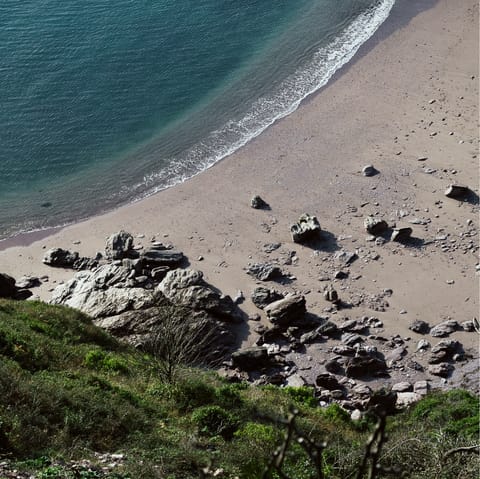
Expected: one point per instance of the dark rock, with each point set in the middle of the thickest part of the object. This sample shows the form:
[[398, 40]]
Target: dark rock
[[258, 203], [159, 272], [264, 271], [468, 326], [457, 191], [362, 366], [341, 275], [443, 369], [383, 401], [375, 226], [344, 351], [262, 297], [327, 328], [60, 258], [119, 245], [7, 286], [153, 257], [26, 282], [350, 339], [444, 329], [249, 359], [305, 229], [331, 295], [362, 390], [369, 170], [327, 381], [401, 234], [333, 367], [287, 310], [419, 326]]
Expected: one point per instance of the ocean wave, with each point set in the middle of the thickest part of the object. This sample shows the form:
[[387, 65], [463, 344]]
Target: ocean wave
[[267, 109]]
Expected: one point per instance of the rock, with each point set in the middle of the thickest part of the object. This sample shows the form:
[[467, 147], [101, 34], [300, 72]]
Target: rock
[[329, 329], [258, 203], [60, 258], [249, 359], [7, 286], [119, 245], [369, 170], [362, 366], [331, 295], [356, 415], [350, 339], [384, 401], [262, 297], [286, 311], [93, 293], [85, 263], [362, 391], [159, 272], [352, 326], [305, 229], [345, 257], [26, 282], [443, 369], [327, 381], [421, 387], [375, 226], [422, 345], [296, 381], [419, 326], [468, 326], [341, 275], [457, 191], [406, 398], [264, 271], [444, 351], [333, 367], [402, 387], [401, 234], [344, 351], [444, 329], [187, 288], [154, 258], [396, 355]]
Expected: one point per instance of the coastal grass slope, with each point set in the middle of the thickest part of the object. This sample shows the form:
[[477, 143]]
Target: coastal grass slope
[[68, 391]]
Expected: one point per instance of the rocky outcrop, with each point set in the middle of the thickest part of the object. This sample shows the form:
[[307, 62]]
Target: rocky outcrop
[[286, 311], [9, 290], [307, 228], [119, 245], [186, 287]]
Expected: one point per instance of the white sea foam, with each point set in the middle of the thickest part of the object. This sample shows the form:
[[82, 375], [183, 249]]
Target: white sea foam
[[268, 109]]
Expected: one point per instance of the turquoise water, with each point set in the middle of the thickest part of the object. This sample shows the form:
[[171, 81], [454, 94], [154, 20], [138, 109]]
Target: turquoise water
[[106, 102]]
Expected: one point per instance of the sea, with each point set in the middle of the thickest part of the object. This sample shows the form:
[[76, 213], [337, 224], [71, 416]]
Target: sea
[[105, 102]]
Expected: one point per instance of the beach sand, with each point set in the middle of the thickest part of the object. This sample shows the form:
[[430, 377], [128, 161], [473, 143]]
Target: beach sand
[[411, 91]]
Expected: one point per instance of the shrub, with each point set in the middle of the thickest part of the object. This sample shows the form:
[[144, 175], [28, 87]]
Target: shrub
[[304, 396], [100, 360], [215, 421], [192, 393]]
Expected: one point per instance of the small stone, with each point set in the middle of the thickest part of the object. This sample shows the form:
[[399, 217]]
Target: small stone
[[401, 234], [369, 170], [258, 203]]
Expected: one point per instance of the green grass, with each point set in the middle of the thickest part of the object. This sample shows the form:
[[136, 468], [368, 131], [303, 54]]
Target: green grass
[[67, 390]]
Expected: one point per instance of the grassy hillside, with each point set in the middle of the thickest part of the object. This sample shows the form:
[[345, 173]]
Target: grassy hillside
[[68, 390]]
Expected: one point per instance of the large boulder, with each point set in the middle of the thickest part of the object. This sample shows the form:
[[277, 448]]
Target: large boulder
[[119, 245], [103, 292], [286, 311], [305, 229], [249, 359], [363, 366], [444, 329], [186, 287], [7, 286], [60, 258]]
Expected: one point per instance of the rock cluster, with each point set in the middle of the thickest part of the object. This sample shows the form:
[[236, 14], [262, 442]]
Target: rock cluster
[[11, 289]]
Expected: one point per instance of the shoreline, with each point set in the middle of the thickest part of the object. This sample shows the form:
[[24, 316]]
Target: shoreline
[[396, 101]]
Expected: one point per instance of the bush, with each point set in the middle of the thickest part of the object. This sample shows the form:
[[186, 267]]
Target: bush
[[304, 396], [100, 360], [215, 421]]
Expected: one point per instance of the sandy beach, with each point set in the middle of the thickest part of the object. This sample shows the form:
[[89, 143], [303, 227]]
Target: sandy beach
[[411, 92]]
